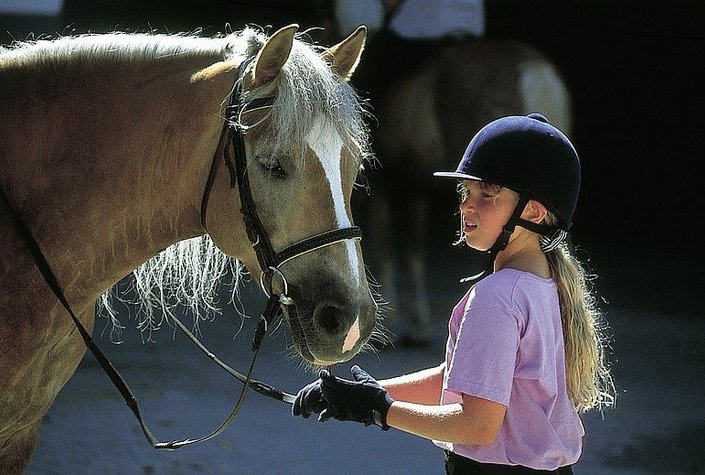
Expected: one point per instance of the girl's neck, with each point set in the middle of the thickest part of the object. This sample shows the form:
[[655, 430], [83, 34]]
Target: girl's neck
[[525, 256]]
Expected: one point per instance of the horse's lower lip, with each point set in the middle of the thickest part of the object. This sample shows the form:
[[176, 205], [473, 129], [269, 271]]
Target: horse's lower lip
[[323, 362]]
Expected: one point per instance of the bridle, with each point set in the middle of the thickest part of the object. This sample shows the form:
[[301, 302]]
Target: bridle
[[269, 260]]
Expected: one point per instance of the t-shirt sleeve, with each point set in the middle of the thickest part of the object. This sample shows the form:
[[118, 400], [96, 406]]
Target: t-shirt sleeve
[[484, 357]]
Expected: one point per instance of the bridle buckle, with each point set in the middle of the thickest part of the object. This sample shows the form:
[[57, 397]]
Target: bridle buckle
[[267, 276]]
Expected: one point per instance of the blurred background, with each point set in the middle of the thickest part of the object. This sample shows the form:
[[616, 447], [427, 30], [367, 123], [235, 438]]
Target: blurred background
[[634, 71]]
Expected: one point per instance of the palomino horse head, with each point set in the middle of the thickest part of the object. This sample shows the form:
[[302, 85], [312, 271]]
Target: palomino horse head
[[304, 148]]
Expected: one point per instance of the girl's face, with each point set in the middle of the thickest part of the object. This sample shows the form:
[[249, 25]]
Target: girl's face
[[485, 209]]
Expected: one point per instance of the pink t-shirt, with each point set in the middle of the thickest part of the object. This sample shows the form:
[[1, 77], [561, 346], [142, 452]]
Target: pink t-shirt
[[505, 344]]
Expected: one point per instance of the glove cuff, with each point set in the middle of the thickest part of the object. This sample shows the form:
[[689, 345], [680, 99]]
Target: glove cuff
[[379, 413]]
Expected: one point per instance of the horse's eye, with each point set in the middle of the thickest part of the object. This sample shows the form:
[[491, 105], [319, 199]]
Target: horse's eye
[[271, 167]]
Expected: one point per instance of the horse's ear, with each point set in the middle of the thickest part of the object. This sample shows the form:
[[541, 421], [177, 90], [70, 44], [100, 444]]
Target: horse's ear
[[345, 56], [273, 55]]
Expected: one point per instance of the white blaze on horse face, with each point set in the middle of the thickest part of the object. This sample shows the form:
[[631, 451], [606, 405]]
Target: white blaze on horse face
[[352, 336], [327, 144]]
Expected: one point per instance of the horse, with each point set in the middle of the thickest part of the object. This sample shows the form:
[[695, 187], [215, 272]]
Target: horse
[[425, 113], [118, 158]]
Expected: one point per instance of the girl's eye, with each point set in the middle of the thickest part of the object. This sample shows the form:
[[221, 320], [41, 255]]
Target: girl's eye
[[272, 167]]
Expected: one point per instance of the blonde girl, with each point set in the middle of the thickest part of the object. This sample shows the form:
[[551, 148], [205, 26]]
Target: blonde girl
[[526, 344]]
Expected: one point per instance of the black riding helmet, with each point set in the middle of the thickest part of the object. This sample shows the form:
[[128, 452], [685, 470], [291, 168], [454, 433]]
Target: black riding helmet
[[531, 157]]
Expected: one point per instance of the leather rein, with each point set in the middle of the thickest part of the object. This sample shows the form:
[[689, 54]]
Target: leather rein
[[269, 261]]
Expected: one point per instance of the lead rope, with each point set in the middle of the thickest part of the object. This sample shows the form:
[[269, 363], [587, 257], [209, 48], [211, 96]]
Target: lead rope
[[271, 309], [115, 377], [268, 258]]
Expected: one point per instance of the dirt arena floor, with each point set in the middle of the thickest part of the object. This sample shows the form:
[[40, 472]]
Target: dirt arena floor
[[657, 426]]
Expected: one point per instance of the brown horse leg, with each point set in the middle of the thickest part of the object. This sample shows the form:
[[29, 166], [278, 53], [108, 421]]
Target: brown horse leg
[[380, 252], [417, 307], [17, 449]]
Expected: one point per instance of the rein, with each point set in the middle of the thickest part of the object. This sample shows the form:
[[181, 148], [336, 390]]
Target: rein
[[269, 261]]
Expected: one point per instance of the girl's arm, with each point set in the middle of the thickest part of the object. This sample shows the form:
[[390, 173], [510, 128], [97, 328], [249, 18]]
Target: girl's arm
[[475, 421], [420, 387], [416, 410]]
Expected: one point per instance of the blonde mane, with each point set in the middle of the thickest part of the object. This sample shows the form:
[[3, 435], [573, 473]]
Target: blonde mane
[[98, 49], [188, 274]]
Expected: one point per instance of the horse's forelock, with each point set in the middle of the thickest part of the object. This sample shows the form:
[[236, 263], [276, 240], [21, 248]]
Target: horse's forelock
[[307, 89]]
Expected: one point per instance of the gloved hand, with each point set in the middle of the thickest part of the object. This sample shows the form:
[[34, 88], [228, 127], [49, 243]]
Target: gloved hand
[[309, 400], [360, 400]]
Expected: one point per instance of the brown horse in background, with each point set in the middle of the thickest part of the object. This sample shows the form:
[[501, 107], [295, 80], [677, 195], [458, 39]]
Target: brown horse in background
[[424, 119]]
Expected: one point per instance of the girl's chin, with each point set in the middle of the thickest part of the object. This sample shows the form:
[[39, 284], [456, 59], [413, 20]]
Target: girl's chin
[[476, 246]]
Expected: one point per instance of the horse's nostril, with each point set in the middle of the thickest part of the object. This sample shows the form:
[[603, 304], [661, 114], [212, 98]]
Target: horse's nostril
[[329, 319]]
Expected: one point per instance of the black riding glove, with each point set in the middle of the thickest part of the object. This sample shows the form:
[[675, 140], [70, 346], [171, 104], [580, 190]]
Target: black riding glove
[[360, 400], [309, 400]]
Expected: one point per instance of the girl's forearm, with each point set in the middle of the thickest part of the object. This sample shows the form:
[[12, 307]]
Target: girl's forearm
[[420, 387], [467, 423]]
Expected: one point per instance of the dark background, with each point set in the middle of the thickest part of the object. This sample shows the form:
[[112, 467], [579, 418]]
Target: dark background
[[634, 71], [635, 75]]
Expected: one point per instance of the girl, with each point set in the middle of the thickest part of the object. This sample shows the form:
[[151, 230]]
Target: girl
[[526, 349]]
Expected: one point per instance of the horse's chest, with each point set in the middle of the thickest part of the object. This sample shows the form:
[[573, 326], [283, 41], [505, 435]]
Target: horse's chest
[[39, 346]]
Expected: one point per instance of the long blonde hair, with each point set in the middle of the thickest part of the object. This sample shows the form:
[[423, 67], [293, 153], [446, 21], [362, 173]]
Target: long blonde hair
[[585, 332]]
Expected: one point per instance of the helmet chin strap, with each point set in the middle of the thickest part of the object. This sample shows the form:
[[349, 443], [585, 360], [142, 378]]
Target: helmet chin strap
[[501, 243]]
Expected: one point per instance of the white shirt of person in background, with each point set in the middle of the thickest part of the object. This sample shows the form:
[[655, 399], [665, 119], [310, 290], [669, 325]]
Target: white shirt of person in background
[[414, 19]]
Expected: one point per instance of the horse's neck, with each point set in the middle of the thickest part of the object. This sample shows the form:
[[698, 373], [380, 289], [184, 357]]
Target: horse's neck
[[120, 172]]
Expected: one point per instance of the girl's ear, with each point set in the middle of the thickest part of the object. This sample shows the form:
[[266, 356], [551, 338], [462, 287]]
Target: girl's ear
[[534, 212]]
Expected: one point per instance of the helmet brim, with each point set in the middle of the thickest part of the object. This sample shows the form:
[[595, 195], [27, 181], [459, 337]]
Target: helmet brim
[[457, 176]]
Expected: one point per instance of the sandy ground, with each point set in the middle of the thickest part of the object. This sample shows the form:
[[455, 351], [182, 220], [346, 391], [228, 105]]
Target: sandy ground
[[658, 425]]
